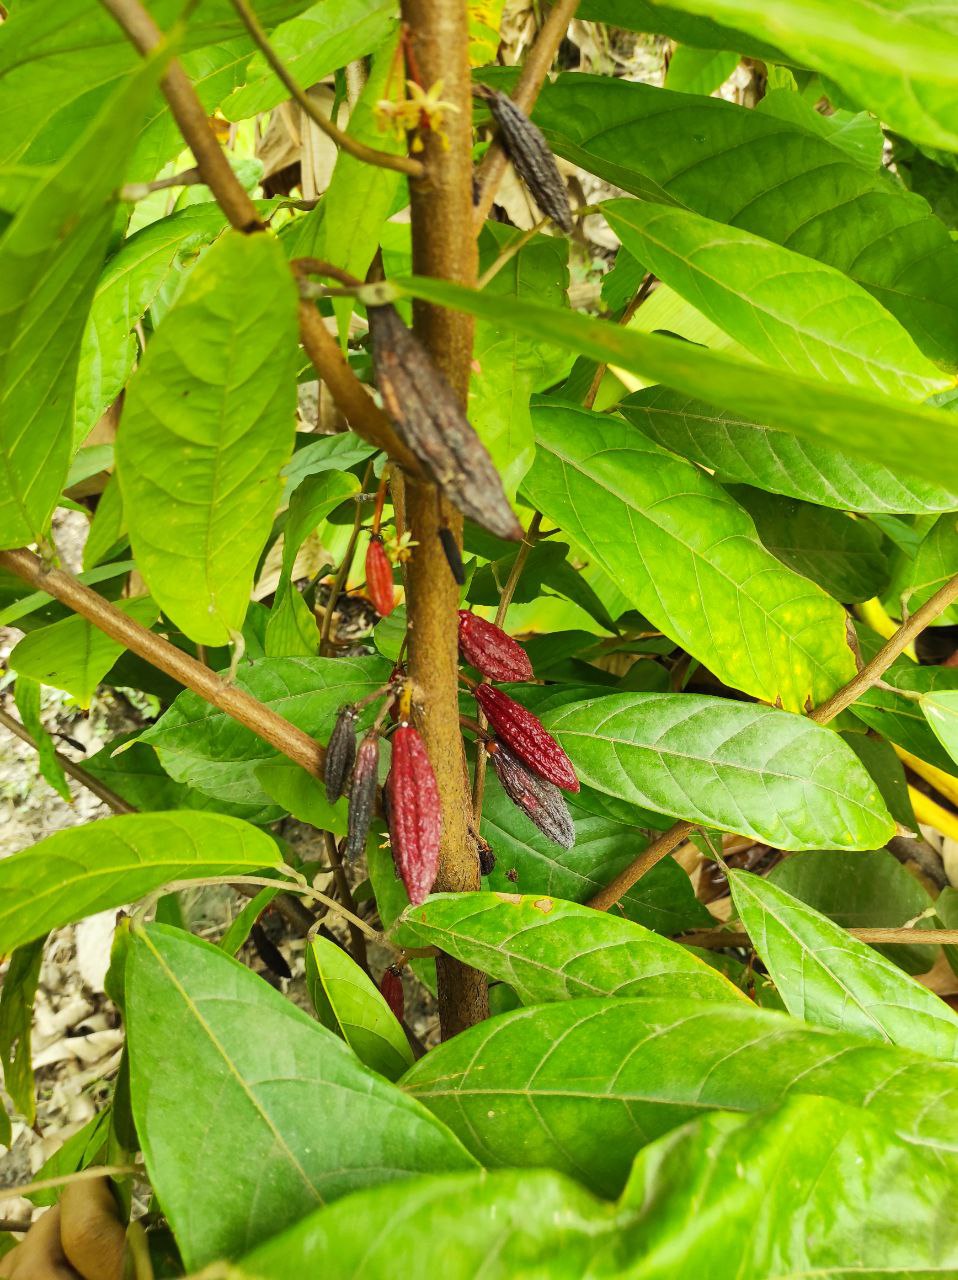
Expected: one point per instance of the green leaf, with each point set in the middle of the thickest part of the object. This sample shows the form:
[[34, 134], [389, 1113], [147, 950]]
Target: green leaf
[[392, 900], [935, 562], [242, 923], [346, 1002], [879, 758], [785, 309], [552, 950], [50, 255], [209, 750], [688, 557], [773, 176], [322, 39], [128, 285], [580, 1085], [732, 765], [920, 440], [16, 1021], [328, 453], [650, 15], [80, 871], [208, 422], [27, 695], [699, 70], [826, 976], [303, 795], [74, 655], [77, 1152], [748, 452], [862, 890], [900, 718], [941, 712], [843, 555], [291, 1120]]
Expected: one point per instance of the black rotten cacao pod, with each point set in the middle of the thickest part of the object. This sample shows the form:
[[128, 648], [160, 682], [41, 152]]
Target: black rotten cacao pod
[[340, 753], [362, 794], [538, 799], [531, 157]]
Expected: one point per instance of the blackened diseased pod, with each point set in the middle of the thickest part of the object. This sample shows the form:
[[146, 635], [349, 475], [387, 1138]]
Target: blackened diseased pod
[[453, 555], [269, 952], [362, 794], [539, 800], [340, 753], [487, 857], [491, 651], [390, 988], [379, 577], [526, 736], [415, 815], [531, 158], [430, 420]]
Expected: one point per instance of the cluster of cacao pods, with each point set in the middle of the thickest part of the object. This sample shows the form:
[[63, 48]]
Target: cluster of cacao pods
[[410, 800], [529, 763]]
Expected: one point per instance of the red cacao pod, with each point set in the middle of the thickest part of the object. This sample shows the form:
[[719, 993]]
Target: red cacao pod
[[487, 648], [362, 794], [340, 754], [390, 988], [379, 577], [524, 734], [415, 816], [538, 799]]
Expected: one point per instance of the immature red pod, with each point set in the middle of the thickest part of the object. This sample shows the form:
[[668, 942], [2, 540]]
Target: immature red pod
[[362, 794], [524, 734], [340, 753], [379, 577], [415, 816], [390, 988], [538, 799], [487, 648]]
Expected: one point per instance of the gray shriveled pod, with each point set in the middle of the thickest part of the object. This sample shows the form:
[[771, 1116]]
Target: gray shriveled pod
[[340, 754], [539, 799], [531, 158], [362, 795]]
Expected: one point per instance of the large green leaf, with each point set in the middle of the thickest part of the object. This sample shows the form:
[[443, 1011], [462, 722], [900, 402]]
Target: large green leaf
[[547, 949], [733, 765], [749, 452], [935, 562], [321, 40], [50, 257], [77, 872], [826, 976], [919, 440], [74, 655], [209, 750], [773, 176], [867, 890], [526, 861], [129, 283], [941, 712], [208, 422], [843, 555], [16, 1023], [701, 33], [688, 557], [290, 1118], [580, 1085], [787, 310], [346, 1002]]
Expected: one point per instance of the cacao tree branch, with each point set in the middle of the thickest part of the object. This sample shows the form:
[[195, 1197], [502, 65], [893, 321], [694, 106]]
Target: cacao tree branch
[[869, 675], [536, 67], [345, 142], [75, 771]]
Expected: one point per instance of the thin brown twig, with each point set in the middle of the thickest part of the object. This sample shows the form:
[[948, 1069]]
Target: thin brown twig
[[75, 771], [359, 150], [717, 938], [134, 191], [536, 67], [601, 369], [85, 1175]]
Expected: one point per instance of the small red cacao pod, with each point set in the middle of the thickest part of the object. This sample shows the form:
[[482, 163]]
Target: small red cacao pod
[[415, 817], [362, 794], [538, 799], [340, 753], [379, 577], [487, 648], [390, 988], [524, 734]]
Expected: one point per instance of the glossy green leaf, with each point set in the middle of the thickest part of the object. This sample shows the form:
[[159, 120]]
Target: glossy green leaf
[[322, 39], [130, 281], [547, 949], [869, 890], [302, 794], [16, 1022], [209, 750], [935, 562], [748, 452], [941, 712], [827, 977], [879, 758], [346, 1002], [732, 765], [843, 555], [579, 1086], [74, 655], [785, 309], [208, 422], [699, 70], [27, 695], [769, 173], [688, 557], [50, 256], [920, 440], [82, 870], [291, 1119]]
